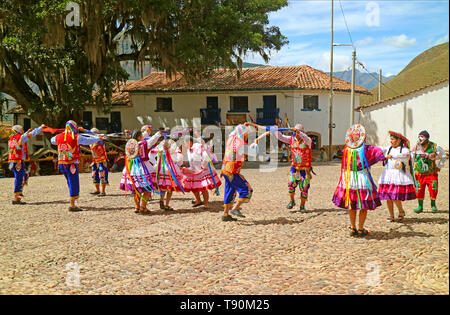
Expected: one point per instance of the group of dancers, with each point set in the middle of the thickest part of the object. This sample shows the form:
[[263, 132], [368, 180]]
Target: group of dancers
[[154, 165]]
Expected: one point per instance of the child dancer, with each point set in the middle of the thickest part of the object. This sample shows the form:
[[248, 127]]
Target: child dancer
[[168, 172], [356, 189], [17, 154], [396, 183], [99, 166], [200, 176], [138, 170], [68, 144]]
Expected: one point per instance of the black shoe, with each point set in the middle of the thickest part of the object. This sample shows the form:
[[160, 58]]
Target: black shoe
[[302, 209], [95, 193], [237, 213], [18, 202], [291, 204], [228, 218], [75, 209]]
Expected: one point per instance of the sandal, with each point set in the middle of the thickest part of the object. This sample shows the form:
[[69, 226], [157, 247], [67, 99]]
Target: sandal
[[363, 232], [167, 208], [353, 231], [144, 211], [195, 205], [136, 210], [390, 219], [401, 216], [161, 205]]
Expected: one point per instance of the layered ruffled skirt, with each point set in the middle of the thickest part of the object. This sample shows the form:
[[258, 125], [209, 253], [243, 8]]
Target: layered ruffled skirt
[[201, 181], [362, 192], [395, 184]]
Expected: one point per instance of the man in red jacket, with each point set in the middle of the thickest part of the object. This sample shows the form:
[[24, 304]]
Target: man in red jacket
[[17, 154]]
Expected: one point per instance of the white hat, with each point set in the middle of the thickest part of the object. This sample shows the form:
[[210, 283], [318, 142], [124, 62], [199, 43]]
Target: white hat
[[95, 130], [17, 128]]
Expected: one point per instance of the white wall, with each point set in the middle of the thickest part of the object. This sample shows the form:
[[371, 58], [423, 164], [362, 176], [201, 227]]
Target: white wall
[[424, 110]]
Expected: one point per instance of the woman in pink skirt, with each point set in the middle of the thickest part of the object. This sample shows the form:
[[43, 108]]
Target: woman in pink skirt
[[201, 175], [396, 183]]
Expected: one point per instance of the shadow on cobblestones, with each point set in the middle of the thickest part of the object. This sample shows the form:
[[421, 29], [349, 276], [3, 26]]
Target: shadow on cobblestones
[[55, 202], [425, 220], [379, 235], [280, 220]]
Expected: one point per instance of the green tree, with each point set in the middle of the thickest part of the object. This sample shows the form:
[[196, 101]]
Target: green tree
[[52, 69]]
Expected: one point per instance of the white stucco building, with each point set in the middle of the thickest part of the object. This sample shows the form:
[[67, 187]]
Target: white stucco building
[[300, 93], [426, 108]]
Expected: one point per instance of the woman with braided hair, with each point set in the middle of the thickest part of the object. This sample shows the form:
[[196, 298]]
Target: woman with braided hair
[[396, 183]]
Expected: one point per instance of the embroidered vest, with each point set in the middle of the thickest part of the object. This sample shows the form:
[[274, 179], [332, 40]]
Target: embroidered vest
[[301, 154], [68, 150], [425, 165], [143, 151], [98, 152], [16, 150], [233, 159]]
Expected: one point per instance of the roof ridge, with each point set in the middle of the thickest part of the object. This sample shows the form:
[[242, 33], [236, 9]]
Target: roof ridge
[[404, 94]]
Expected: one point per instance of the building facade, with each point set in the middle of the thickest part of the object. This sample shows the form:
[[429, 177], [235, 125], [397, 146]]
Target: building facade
[[422, 109]]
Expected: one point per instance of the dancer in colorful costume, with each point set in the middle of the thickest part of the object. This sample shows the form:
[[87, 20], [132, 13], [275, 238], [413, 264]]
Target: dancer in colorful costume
[[356, 189], [137, 175], [231, 170], [99, 166], [17, 155], [425, 153], [168, 172], [301, 156], [68, 144], [396, 183], [201, 175]]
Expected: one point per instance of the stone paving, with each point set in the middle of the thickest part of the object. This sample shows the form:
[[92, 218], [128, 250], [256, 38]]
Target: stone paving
[[190, 251]]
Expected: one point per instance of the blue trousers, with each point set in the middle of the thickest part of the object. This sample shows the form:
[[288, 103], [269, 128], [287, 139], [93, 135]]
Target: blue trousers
[[20, 175], [70, 172], [236, 184], [100, 173]]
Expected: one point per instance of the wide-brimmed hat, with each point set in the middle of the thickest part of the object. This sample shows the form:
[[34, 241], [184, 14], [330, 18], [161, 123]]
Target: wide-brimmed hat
[[355, 137], [400, 136]]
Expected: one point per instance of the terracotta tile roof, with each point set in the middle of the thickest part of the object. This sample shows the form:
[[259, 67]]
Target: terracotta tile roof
[[16, 110], [260, 78], [401, 95], [119, 96]]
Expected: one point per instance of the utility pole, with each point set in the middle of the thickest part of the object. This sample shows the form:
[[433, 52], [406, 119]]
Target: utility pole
[[379, 86], [352, 106], [330, 119]]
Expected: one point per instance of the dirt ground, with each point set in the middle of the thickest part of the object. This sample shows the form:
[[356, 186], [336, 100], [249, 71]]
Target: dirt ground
[[107, 249]]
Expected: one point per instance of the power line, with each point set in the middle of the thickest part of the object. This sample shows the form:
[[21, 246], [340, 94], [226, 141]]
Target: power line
[[362, 66], [345, 21]]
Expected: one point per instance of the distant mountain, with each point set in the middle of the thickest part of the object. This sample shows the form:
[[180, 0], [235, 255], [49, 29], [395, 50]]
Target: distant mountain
[[364, 79], [429, 67]]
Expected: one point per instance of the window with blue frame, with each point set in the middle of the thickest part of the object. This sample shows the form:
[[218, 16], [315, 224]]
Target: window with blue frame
[[310, 102], [238, 103], [164, 104], [212, 102]]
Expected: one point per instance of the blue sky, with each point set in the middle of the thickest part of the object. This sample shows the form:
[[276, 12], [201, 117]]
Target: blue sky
[[388, 40]]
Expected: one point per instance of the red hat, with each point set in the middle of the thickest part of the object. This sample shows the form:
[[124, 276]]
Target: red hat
[[400, 136]]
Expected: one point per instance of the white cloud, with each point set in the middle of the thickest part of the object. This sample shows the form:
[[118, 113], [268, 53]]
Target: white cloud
[[364, 41], [401, 41], [340, 62], [442, 40]]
